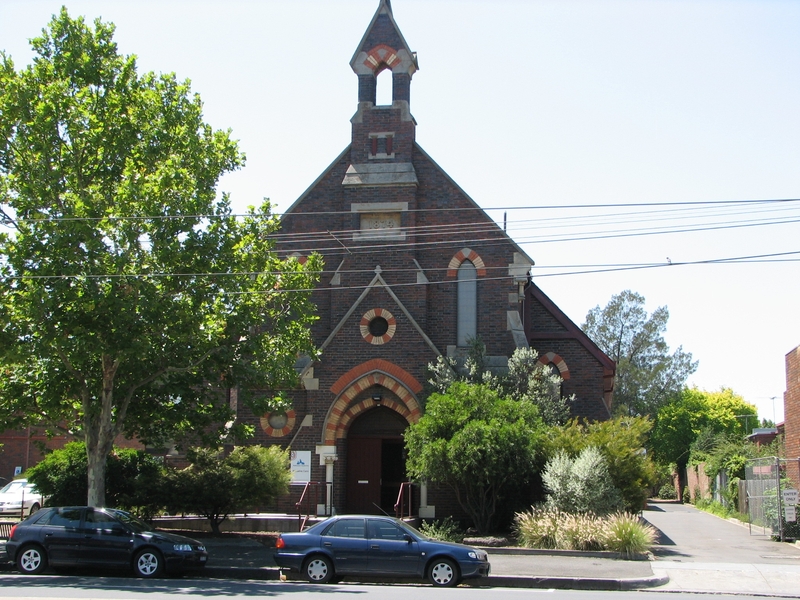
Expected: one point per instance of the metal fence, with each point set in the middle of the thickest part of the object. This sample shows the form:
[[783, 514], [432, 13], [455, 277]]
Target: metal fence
[[765, 480]]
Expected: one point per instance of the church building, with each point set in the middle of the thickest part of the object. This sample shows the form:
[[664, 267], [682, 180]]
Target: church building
[[414, 269]]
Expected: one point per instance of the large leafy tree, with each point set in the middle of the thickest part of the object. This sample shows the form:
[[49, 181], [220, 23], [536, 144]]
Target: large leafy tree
[[130, 296], [679, 424], [482, 445], [648, 376]]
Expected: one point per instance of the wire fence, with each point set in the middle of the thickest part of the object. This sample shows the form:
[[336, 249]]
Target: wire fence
[[772, 497]]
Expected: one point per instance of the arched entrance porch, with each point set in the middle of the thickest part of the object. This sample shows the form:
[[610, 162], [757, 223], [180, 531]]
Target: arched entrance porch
[[375, 402]]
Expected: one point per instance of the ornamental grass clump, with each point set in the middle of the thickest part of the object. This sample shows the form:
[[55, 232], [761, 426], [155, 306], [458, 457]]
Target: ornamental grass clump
[[579, 532], [626, 534], [538, 528], [544, 527]]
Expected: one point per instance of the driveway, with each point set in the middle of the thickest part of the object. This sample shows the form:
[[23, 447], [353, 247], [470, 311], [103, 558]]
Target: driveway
[[701, 552]]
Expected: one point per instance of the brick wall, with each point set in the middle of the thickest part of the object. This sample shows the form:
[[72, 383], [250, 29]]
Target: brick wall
[[791, 410], [27, 447]]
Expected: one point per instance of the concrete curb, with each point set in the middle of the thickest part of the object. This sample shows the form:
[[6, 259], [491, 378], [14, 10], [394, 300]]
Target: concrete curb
[[515, 551], [569, 583]]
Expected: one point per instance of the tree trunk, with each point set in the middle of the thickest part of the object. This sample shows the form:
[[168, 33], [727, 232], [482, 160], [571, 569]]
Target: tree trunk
[[97, 476], [100, 435]]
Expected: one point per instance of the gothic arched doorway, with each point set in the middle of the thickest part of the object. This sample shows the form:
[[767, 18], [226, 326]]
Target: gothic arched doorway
[[376, 464]]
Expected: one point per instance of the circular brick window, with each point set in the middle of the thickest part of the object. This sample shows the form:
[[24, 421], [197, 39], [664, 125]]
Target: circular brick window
[[278, 424], [378, 326]]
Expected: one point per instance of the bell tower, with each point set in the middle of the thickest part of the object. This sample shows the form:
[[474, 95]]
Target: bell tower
[[383, 135]]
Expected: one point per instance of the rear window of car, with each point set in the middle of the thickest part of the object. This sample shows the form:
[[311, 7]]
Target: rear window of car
[[39, 517]]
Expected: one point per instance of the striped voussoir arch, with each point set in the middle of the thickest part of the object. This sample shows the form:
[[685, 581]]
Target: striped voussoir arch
[[373, 372], [460, 257], [555, 359]]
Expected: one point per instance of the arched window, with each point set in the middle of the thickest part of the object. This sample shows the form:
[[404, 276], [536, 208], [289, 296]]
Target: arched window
[[467, 303], [383, 95]]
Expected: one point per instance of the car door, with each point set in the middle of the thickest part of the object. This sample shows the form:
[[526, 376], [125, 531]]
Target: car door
[[346, 540], [61, 536], [392, 550], [106, 541]]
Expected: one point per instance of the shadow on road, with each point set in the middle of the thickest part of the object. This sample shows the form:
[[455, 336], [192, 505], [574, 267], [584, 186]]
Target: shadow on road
[[197, 587]]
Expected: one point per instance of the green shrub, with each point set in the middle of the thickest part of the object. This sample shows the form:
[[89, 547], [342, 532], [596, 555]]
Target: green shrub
[[581, 485], [134, 479], [667, 492], [621, 441], [445, 529], [626, 534]]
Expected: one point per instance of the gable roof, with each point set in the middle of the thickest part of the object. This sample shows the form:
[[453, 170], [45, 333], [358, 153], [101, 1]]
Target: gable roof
[[572, 331]]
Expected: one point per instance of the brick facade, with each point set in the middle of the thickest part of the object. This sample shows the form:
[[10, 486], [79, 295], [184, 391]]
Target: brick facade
[[791, 414], [394, 229]]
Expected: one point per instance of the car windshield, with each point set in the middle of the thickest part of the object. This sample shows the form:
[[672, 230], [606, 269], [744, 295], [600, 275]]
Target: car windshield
[[128, 519]]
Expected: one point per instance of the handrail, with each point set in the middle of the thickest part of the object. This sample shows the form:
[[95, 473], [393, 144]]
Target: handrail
[[304, 516], [404, 500]]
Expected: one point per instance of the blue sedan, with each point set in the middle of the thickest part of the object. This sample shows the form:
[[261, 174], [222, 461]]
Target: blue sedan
[[376, 547]]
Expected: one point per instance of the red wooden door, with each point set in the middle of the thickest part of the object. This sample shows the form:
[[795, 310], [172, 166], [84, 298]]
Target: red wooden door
[[363, 475]]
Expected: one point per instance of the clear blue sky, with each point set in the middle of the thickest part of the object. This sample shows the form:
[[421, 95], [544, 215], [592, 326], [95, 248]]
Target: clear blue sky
[[534, 104]]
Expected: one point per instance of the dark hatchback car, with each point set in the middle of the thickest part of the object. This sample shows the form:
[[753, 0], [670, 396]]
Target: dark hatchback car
[[80, 536], [375, 546]]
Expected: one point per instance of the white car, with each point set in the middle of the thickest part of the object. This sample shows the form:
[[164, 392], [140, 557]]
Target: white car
[[17, 493]]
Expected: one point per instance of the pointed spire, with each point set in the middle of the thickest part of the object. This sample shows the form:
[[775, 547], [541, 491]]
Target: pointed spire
[[383, 45]]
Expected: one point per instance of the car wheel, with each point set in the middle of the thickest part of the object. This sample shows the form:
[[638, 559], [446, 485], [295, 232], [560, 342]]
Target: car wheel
[[318, 569], [31, 560], [148, 563], [443, 573], [34, 508]]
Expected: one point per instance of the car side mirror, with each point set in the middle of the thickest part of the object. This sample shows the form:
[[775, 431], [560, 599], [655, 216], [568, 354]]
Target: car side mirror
[[408, 538]]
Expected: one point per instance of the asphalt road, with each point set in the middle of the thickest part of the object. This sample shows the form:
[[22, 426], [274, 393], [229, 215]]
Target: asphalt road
[[701, 552]]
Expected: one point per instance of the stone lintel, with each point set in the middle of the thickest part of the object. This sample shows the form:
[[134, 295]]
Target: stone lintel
[[372, 175]]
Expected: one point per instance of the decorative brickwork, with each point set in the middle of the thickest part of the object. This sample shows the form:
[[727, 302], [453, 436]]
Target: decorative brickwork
[[460, 257], [382, 56], [367, 320], [551, 358], [372, 374], [282, 431]]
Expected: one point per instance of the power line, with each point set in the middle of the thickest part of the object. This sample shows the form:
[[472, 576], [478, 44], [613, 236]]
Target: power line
[[201, 216], [586, 269]]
